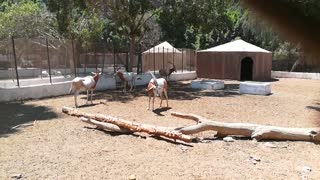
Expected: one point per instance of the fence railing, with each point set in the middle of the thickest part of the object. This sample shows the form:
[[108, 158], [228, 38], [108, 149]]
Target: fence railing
[[49, 60]]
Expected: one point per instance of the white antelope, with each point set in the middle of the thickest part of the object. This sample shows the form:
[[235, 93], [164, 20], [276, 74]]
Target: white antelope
[[157, 87], [87, 83], [127, 77]]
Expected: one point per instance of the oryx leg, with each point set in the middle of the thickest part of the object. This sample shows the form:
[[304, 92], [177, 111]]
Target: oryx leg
[[161, 98], [87, 96], [166, 95], [75, 98], [91, 95]]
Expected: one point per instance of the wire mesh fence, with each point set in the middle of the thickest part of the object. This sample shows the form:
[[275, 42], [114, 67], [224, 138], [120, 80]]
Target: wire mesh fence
[[27, 61]]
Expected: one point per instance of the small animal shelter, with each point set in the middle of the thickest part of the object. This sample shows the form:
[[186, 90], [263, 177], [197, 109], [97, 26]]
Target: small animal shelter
[[160, 56], [236, 60]]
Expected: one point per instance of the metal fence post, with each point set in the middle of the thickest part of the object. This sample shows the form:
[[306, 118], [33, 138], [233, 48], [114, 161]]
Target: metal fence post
[[48, 60], [182, 58], [154, 60], [85, 63], [104, 55], [114, 58], [190, 59], [139, 69], [127, 61], [173, 56], [162, 57], [15, 61], [74, 60], [95, 57]]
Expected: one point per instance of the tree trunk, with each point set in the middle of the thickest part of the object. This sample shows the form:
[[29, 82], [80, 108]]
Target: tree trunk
[[258, 132], [132, 126], [107, 126]]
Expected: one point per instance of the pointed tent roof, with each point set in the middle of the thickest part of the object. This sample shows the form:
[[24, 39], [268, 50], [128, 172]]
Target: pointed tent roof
[[236, 46], [163, 47]]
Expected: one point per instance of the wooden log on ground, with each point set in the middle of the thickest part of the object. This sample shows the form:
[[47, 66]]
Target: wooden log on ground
[[132, 126], [259, 132], [106, 126]]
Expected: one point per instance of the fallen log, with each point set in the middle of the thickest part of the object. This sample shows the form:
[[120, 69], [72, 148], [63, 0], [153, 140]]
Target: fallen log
[[254, 131], [258, 132], [106, 126], [132, 126]]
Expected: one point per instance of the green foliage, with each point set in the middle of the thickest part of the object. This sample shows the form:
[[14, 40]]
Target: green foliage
[[197, 23], [88, 29], [25, 19], [129, 17], [66, 11], [286, 51]]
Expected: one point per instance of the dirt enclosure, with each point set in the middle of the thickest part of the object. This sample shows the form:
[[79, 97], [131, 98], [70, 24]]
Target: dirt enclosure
[[57, 146]]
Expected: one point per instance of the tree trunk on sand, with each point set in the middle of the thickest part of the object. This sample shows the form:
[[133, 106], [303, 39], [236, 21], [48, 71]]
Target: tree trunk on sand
[[259, 132], [132, 126], [107, 126]]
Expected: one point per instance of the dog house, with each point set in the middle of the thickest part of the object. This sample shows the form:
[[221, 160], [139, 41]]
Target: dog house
[[160, 57], [237, 60]]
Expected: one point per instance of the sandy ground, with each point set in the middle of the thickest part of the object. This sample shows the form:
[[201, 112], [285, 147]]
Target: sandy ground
[[58, 146]]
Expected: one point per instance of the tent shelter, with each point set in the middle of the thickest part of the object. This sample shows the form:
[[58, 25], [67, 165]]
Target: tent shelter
[[237, 60], [160, 57]]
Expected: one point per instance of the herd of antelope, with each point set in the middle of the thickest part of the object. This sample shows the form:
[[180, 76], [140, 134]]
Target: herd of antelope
[[156, 86]]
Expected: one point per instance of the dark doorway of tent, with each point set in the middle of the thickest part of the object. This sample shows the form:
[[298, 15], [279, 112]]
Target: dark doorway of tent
[[246, 69]]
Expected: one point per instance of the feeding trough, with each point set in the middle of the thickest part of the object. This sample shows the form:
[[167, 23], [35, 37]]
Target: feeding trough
[[257, 88], [207, 84]]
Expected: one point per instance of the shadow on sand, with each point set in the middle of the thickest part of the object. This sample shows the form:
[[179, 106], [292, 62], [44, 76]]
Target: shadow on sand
[[176, 91], [15, 115]]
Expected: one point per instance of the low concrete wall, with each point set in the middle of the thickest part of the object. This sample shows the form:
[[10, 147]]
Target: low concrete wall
[[23, 73], [35, 81], [34, 91], [257, 88], [48, 90], [58, 88], [298, 75], [180, 76]]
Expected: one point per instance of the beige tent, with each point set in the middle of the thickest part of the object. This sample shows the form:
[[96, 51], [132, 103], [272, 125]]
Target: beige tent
[[236, 60], [160, 57]]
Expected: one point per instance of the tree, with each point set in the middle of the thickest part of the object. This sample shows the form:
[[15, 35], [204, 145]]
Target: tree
[[196, 23], [26, 19], [130, 18], [297, 20]]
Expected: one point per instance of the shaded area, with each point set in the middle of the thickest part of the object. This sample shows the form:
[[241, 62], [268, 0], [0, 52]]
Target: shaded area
[[158, 111], [246, 69], [181, 91], [156, 137], [177, 91], [315, 107], [15, 114]]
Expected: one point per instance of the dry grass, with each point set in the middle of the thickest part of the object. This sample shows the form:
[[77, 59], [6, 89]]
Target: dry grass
[[61, 147]]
